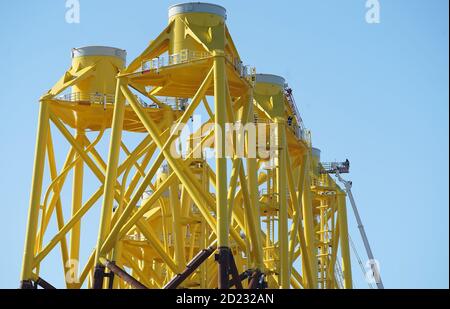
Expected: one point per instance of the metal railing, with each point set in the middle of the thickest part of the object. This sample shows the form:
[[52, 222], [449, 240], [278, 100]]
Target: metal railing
[[103, 99], [299, 131], [319, 181], [332, 167], [299, 128], [96, 98], [293, 104], [185, 56], [175, 103], [245, 71], [135, 237]]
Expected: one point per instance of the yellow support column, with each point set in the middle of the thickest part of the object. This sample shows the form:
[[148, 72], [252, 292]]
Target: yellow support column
[[269, 93], [220, 102], [255, 222], [77, 202], [343, 237], [176, 226], [254, 204], [110, 181], [35, 199], [308, 219], [280, 165]]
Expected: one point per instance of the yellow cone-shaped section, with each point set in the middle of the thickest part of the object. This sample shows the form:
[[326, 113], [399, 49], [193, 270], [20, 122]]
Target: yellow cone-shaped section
[[107, 60]]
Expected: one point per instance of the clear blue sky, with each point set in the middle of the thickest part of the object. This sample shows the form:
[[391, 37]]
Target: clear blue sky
[[376, 94]]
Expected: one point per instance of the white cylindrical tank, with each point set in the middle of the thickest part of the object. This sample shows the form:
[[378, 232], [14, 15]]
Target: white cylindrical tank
[[270, 79], [316, 153], [197, 7]]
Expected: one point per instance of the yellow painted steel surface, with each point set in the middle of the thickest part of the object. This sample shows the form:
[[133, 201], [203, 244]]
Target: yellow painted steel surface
[[277, 215]]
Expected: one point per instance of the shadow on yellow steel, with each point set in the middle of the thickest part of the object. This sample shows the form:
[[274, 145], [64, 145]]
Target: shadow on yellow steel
[[274, 220]]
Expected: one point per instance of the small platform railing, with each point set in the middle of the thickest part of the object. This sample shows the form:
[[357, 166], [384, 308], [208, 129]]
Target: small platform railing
[[103, 99], [96, 98], [332, 167], [185, 56], [299, 131]]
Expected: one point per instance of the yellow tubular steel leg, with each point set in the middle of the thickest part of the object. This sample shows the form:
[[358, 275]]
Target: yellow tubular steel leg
[[77, 202], [221, 167], [36, 190], [343, 237], [309, 229], [110, 180], [282, 204], [176, 226]]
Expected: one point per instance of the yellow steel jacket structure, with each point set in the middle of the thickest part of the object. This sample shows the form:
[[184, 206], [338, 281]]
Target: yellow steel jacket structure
[[169, 221]]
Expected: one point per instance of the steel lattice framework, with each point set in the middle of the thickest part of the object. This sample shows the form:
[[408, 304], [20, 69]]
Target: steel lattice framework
[[276, 221]]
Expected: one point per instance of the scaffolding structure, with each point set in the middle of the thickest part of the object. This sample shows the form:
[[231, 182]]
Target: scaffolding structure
[[270, 220]]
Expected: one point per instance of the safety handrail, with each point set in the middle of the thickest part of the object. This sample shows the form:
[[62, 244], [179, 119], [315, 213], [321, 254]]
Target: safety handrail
[[183, 56], [102, 98], [186, 55], [299, 131]]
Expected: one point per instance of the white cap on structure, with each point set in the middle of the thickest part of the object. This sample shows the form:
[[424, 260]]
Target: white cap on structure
[[197, 7], [316, 152], [99, 51], [270, 79]]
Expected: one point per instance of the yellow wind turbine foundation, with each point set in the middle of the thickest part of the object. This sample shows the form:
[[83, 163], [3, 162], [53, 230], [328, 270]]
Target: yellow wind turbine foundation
[[258, 214]]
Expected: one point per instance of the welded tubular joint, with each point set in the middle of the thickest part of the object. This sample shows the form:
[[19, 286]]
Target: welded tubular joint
[[190, 268], [124, 275]]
